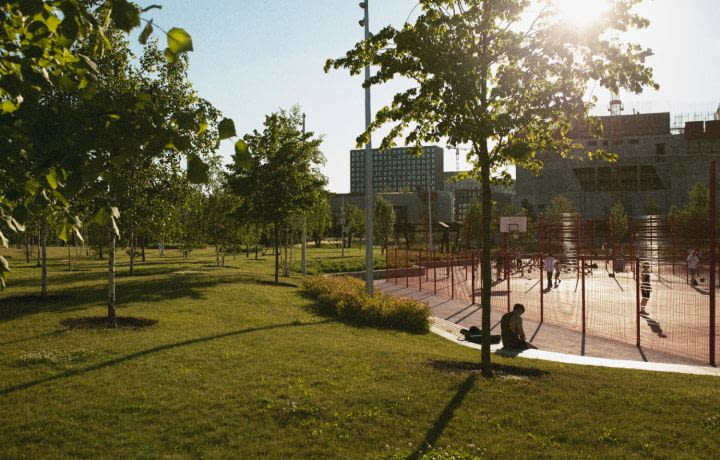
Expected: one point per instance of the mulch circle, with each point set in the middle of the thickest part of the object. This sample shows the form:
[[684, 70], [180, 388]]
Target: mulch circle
[[101, 322]]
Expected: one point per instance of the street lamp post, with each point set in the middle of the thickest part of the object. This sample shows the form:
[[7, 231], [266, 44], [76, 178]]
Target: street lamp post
[[369, 204], [304, 224]]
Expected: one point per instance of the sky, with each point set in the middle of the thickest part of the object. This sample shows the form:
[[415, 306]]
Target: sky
[[254, 57]]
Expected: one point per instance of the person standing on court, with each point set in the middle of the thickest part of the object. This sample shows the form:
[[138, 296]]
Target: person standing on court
[[645, 287], [558, 267], [693, 262], [549, 268]]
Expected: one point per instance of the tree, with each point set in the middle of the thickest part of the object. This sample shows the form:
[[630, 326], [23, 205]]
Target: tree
[[481, 76], [319, 219], [276, 173], [471, 227], [48, 47], [650, 208], [384, 222], [618, 221], [355, 221], [559, 205]]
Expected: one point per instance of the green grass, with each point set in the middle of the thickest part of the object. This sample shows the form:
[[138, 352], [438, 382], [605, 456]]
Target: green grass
[[237, 367]]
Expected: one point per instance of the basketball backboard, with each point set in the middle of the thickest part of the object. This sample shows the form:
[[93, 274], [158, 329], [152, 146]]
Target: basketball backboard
[[513, 224]]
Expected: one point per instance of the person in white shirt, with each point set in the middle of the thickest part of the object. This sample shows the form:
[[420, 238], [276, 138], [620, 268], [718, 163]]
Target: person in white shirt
[[693, 262], [549, 268]]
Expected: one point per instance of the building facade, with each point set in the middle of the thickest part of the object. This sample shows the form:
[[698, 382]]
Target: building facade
[[399, 170], [654, 167], [466, 190]]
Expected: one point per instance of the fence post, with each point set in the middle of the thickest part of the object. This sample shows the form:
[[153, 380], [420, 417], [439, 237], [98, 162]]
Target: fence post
[[420, 268], [542, 287], [452, 275], [397, 265], [582, 271], [434, 273], [637, 302], [407, 268], [713, 261], [472, 276], [507, 276]]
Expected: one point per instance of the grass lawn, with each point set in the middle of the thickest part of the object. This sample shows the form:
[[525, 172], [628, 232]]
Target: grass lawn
[[238, 367]]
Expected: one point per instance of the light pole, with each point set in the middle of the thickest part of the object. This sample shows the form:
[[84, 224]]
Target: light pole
[[369, 204], [304, 224]]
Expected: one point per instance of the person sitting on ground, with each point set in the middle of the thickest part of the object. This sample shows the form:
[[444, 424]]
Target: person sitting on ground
[[511, 329]]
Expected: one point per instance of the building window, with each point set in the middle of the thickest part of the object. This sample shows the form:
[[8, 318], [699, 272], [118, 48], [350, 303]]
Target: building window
[[660, 149], [634, 141]]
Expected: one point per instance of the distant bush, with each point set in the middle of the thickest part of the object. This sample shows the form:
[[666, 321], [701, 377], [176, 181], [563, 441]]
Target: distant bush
[[346, 298]]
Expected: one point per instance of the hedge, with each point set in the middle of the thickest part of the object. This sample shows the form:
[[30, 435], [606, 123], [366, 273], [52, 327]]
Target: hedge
[[345, 298]]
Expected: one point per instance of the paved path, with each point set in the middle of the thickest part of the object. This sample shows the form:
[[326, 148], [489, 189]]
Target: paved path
[[554, 342]]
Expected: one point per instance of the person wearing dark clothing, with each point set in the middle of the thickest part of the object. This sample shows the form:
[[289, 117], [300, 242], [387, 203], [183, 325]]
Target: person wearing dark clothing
[[511, 329], [645, 287]]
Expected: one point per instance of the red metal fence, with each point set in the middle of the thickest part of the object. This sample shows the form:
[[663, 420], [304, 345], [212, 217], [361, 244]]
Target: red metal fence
[[596, 295]]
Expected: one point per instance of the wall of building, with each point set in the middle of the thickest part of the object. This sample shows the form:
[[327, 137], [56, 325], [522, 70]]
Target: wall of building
[[397, 170], [657, 168], [409, 207]]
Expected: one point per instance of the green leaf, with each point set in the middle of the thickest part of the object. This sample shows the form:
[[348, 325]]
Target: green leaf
[[179, 41], [125, 15], [242, 155], [102, 217], [8, 106], [197, 170], [146, 32], [51, 178], [63, 233], [226, 129], [89, 63]]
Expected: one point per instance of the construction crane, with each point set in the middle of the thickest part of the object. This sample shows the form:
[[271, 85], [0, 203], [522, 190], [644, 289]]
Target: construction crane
[[457, 154]]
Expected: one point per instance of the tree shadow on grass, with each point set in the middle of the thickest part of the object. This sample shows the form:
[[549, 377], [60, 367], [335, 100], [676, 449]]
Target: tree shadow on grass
[[473, 368], [128, 290], [273, 283], [159, 348]]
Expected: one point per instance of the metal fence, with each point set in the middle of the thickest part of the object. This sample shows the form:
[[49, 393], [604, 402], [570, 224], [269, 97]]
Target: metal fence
[[596, 295]]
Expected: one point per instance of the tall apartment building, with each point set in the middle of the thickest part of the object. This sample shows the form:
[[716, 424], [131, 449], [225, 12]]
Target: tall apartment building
[[398, 170]]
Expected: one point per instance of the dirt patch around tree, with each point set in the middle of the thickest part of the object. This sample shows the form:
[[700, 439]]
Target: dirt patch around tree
[[101, 322]]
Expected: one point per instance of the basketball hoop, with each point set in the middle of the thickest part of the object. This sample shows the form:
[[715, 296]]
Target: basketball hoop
[[514, 225]]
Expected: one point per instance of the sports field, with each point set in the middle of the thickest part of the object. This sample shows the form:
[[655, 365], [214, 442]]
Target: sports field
[[678, 314]]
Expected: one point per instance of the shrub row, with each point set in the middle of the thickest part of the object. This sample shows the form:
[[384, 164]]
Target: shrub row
[[345, 298]]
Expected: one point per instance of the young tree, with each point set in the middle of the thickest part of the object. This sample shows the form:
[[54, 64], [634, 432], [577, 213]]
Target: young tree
[[384, 222], [319, 219], [482, 76], [619, 221], [560, 205], [471, 227], [276, 172], [354, 221]]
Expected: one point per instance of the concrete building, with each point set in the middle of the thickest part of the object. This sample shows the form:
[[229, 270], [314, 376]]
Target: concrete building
[[466, 190], [654, 166], [399, 170], [410, 207]]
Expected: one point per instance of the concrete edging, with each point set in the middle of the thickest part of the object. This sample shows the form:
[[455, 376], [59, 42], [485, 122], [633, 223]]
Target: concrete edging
[[585, 360]]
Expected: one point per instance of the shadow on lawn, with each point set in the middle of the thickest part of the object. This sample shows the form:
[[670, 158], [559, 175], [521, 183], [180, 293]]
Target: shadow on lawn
[[128, 290], [112, 362], [446, 416]]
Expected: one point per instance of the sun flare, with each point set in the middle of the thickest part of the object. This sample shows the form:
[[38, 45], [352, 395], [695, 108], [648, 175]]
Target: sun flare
[[580, 12]]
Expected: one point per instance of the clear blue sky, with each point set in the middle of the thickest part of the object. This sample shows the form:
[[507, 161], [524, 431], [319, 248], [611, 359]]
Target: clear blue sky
[[253, 57]]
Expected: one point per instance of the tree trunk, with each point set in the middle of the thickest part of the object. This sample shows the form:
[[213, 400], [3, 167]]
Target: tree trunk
[[162, 248], [217, 255], [39, 244], [112, 319], [292, 246], [256, 252], [43, 276], [27, 249], [69, 256], [277, 252], [132, 252], [485, 272], [100, 252], [142, 248]]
